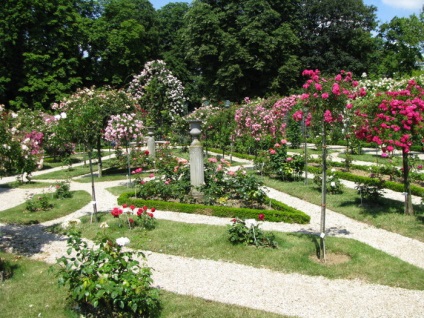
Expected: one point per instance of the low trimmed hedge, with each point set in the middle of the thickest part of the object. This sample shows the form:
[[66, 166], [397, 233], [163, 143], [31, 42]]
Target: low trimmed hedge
[[391, 185], [281, 212]]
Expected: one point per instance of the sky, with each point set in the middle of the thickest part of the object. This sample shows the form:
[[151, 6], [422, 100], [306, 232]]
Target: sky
[[386, 9]]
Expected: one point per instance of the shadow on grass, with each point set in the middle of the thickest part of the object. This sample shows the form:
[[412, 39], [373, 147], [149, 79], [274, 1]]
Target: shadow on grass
[[26, 240], [380, 206]]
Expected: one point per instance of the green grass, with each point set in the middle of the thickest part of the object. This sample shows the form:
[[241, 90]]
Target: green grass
[[25, 185], [386, 213], [118, 190], [376, 158], [33, 289], [19, 215], [65, 173], [293, 255]]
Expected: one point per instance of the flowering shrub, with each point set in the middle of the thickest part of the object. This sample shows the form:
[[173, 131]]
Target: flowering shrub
[[222, 185], [62, 190], [38, 203], [123, 129], [141, 217], [394, 120], [159, 93], [248, 232], [105, 281], [333, 184], [21, 142], [278, 164]]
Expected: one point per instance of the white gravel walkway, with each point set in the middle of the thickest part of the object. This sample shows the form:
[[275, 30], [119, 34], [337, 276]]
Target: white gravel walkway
[[286, 294]]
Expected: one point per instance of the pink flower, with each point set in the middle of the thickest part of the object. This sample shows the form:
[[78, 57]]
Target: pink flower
[[318, 87], [336, 89], [152, 175], [272, 152], [419, 167], [325, 95], [283, 141], [289, 159], [328, 118], [213, 160], [261, 217], [384, 155]]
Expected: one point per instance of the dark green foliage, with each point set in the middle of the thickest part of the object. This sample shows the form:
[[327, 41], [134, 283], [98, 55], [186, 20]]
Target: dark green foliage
[[242, 48], [336, 35], [106, 281], [40, 51], [281, 212], [38, 203], [248, 232], [62, 190]]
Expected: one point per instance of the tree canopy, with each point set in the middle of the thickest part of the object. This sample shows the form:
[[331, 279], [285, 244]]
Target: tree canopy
[[217, 49]]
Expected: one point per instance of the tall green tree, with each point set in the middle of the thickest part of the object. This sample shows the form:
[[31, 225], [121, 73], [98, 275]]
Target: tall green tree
[[241, 48], [120, 41], [402, 44], [171, 18], [337, 35], [39, 51]]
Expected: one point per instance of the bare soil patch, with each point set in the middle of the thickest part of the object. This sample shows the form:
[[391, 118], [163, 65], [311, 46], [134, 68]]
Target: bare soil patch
[[332, 259]]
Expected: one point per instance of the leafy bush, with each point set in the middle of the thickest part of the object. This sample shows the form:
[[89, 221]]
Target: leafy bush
[[62, 190], [333, 184], [278, 164], [107, 282], [248, 232], [38, 203]]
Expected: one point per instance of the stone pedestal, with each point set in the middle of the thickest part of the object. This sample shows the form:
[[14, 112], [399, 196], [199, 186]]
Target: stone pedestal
[[151, 146], [197, 170]]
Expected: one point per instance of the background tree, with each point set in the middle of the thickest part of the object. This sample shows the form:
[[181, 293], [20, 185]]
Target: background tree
[[336, 35], [242, 48], [171, 18], [120, 41], [402, 43], [39, 50]]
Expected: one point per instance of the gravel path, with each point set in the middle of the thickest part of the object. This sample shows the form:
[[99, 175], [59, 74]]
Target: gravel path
[[287, 294]]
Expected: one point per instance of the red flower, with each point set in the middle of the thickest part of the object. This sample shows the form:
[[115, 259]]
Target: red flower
[[132, 207], [140, 212], [145, 208], [116, 212], [146, 152], [124, 205], [261, 217], [153, 209], [234, 220], [131, 221], [150, 214]]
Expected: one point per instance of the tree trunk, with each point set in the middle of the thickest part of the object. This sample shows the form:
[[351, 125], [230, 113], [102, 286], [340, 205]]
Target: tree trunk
[[409, 209], [99, 157], [93, 190], [323, 193]]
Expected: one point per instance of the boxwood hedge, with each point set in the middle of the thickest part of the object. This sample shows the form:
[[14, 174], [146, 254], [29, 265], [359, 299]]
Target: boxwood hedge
[[280, 213]]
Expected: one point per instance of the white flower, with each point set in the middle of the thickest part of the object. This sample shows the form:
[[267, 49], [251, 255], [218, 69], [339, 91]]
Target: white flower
[[63, 115], [103, 225], [122, 241], [57, 117], [333, 184], [249, 223]]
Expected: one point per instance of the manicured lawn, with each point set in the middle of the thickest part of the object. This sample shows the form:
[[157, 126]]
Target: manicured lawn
[[385, 213], [294, 255], [33, 291], [19, 214]]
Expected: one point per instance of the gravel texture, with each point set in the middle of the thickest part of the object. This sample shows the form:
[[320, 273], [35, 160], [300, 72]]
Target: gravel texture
[[287, 294]]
